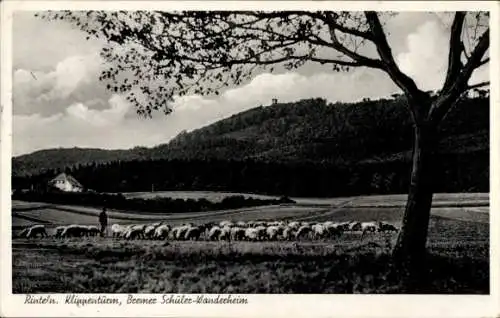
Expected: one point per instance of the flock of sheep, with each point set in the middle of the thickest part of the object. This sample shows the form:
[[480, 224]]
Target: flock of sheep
[[223, 231], [60, 231]]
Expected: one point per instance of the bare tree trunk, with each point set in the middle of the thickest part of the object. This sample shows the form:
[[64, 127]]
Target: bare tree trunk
[[409, 252]]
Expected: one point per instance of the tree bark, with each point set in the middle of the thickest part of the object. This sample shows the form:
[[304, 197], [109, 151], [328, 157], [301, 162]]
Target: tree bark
[[410, 249]]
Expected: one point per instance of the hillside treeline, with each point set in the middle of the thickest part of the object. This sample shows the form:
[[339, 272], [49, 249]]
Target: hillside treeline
[[306, 148], [313, 130], [454, 173]]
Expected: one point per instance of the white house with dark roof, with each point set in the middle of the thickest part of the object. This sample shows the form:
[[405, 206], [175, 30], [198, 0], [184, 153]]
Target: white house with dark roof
[[67, 183]]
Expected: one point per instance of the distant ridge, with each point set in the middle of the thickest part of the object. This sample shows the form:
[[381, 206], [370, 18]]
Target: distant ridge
[[59, 158]]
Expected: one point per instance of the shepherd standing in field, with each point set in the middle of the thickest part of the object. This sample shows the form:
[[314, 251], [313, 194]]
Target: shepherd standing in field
[[103, 220]]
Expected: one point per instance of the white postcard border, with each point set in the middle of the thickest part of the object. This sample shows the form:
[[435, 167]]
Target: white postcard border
[[259, 305]]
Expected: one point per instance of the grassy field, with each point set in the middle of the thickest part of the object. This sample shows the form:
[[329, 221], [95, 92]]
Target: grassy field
[[458, 261], [348, 266], [54, 215], [368, 201], [464, 205]]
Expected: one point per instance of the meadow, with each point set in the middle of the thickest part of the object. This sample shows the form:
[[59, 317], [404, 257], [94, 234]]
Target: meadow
[[369, 201], [458, 260]]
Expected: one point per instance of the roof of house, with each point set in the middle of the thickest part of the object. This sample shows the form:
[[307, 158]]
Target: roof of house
[[66, 177]]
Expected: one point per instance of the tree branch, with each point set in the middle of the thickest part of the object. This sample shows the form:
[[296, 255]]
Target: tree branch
[[251, 60], [474, 61], [483, 62], [389, 65], [362, 60], [359, 60], [257, 57], [446, 98], [327, 19], [384, 50], [481, 84], [456, 47]]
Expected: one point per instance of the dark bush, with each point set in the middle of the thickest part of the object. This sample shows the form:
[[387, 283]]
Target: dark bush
[[286, 199]]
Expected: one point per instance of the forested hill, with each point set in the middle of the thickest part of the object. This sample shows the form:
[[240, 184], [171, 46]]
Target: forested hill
[[60, 158], [312, 130], [305, 131]]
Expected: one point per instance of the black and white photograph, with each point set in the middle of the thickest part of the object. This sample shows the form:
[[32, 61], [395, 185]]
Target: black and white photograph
[[250, 151]]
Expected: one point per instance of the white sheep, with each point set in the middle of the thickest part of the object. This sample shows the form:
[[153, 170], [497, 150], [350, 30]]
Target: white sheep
[[294, 225], [241, 224], [161, 232], [59, 230], [261, 232], [133, 232], [74, 230], [369, 227], [329, 223], [251, 234], [303, 232], [179, 232], [23, 232], [193, 233], [237, 233], [225, 234], [118, 230], [214, 233], [35, 230], [273, 223], [259, 224], [288, 233], [319, 231], [92, 230], [250, 224], [149, 231], [386, 227], [334, 230], [175, 233], [343, 226], [138, 230], [274, 232], [226, 223], [355, 226]]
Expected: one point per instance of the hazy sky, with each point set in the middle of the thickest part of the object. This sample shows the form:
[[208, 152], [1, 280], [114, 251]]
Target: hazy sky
[[59, 102]]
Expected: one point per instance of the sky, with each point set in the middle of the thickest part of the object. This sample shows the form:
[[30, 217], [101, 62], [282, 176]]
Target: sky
[[58, 100]]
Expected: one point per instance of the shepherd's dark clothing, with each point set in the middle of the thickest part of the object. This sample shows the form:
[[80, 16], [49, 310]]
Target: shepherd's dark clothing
[[103, 220]]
